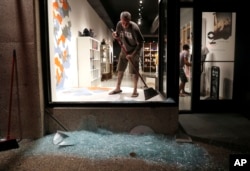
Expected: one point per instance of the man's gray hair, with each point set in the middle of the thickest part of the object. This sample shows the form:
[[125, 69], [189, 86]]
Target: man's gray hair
[[126, 15]]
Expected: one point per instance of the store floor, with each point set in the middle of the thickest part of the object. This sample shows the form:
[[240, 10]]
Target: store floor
[[101, 92]]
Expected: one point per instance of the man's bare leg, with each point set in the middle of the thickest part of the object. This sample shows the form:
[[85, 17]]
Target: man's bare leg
[[135, 93], [118, 84], [119, 80]]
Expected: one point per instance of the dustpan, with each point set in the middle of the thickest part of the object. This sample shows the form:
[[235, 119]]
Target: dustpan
[[63, 138], [149, 92]]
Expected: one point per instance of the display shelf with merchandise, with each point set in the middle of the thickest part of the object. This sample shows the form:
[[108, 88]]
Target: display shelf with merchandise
[[150, 55]]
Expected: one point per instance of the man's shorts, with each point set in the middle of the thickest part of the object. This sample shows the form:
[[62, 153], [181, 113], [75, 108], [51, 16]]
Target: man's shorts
[[123, 63], [183, 76]]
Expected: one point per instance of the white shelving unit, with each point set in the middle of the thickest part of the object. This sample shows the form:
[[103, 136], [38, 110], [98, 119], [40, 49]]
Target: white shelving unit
[[106, 66], [105, 59], [88, 53]]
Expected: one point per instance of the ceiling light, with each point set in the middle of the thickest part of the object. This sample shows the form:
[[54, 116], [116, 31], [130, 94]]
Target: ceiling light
[[139, 22]]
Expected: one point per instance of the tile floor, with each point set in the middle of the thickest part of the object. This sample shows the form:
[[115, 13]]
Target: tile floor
[[101, 94]]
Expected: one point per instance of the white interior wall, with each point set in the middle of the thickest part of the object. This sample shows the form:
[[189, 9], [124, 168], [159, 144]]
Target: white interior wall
[[81, 15]]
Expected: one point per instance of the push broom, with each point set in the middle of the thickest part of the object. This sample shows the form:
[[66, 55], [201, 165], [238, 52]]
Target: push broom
[[10, 143], [149, 92]]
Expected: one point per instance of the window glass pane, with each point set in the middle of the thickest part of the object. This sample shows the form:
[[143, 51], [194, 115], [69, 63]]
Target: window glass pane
[[164, 48], [83, 60], [217, 55], [186, 39]]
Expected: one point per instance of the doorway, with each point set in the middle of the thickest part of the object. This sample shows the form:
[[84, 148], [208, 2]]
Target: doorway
[[186, 38], [212, 54]]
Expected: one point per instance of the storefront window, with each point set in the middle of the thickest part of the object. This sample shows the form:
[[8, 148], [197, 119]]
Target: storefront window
[[83, 62]]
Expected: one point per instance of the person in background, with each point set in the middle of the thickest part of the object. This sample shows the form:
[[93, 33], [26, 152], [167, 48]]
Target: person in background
[[132, 40], [184, 61]]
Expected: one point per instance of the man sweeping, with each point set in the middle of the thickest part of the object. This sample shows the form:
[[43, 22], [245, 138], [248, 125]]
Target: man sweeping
[[132, 40]]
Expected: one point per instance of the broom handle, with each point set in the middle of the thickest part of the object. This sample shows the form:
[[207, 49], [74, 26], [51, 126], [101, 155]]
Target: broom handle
[[11, 87], [119, 41], [123, 48], [137, 72]]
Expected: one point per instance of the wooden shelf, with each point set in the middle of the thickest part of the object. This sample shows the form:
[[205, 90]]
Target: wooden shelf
[[150, 57], [186, 35]]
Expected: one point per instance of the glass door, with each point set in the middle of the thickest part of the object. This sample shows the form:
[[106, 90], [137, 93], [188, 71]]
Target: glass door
[[214, 62], [210, 32], [217, 55], [185, 75]]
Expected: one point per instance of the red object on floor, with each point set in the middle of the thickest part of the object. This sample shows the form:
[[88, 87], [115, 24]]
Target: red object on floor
[[10, 143]]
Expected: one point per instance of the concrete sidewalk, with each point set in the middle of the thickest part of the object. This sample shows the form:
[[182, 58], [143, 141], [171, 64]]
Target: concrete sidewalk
[[231, 130]]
